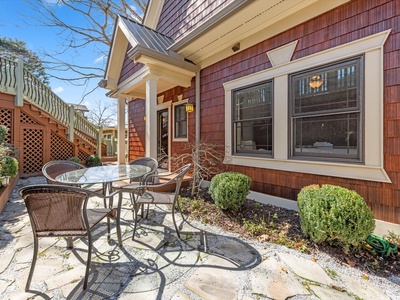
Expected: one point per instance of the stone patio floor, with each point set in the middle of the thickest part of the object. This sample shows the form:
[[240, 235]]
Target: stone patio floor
[[207, 264]]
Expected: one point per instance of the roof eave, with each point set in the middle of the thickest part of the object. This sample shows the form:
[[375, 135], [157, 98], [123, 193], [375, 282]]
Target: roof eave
[[202, 29], [172, 59]]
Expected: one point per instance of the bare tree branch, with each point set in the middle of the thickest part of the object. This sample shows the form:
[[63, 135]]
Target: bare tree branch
[[102, 115], [81, 24], [210, 161]]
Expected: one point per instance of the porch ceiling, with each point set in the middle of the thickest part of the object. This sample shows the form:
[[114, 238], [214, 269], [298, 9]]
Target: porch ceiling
[[252, 24]]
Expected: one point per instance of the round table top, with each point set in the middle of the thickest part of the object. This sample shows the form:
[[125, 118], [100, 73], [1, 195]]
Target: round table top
[[103, 174]]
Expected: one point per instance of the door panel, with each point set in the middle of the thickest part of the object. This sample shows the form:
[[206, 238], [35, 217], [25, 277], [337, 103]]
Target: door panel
[[162, 138]]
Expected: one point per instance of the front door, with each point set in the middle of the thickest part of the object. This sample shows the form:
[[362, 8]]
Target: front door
[[162, 138]]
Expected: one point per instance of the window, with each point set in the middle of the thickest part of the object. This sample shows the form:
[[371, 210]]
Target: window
[[326, 112], [368, 108], [252, 120], [180, 124]]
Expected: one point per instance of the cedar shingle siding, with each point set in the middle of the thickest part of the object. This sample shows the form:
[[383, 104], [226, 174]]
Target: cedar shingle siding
[[351, 21], [179, 17]]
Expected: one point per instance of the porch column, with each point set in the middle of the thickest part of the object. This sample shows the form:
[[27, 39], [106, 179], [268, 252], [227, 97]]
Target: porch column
[[151, 116], [121, 130]]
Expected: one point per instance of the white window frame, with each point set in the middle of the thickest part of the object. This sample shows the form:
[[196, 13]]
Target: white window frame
[[372, 169], [175, 139]]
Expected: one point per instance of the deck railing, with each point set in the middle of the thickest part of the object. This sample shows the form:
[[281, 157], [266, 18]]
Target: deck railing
[[13, 76]]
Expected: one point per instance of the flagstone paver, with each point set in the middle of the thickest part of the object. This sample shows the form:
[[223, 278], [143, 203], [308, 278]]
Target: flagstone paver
[[306, 269], [271, 279], [363, 289], [328, 293], [207, 264]]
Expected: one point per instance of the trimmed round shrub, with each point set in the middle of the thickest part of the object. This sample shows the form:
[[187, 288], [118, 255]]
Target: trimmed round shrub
[[229, 190], [335, 215], [93, 161]]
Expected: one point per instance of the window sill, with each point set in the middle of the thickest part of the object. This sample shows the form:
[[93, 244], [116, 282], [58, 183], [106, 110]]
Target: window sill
[[180, 139], [361, 172]]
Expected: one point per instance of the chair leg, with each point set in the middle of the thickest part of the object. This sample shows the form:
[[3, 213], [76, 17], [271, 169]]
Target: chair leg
[[70, 243], [33, 264], [85, 282], [135, 210], [174, 221], [118, 220]]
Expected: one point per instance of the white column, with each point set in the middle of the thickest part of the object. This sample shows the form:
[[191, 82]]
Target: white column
[[151, 116], [71, 126], [121, 130], [19, 72]]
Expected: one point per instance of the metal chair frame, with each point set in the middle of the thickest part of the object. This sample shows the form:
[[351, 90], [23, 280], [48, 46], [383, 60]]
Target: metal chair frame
[[72, 217], [146, 194], [54, 168]]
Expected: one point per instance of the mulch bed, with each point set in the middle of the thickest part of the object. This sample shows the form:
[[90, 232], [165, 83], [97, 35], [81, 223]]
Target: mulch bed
[[284, 228]]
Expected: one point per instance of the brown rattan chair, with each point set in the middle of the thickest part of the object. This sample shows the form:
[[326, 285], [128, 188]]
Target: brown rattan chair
[[150, 193], [57, 167], [62, 211]]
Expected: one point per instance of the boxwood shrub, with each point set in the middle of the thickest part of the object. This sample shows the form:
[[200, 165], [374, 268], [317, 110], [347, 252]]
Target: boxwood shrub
[[335, 215], [229, 190]]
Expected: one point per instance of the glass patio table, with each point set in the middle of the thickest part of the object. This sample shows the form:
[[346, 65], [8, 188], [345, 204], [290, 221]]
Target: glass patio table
[[105, 175]]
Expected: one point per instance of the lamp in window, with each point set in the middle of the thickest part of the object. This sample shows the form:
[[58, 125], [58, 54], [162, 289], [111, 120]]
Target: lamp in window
[[189, 107], [315, 81]]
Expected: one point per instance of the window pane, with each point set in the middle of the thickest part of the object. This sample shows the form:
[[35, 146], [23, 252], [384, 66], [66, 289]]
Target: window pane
[[334, 136], [254, 102], [254, 136], [252, 117], [181, 129], [331, 88], [180, 113], [180, 116]]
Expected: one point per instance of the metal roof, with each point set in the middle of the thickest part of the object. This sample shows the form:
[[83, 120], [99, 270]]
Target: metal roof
[[147, 37]]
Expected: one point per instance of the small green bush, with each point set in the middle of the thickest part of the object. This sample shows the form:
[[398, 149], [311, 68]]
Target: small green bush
[[229, 190], [334, 215], [3, 133], [9, 166], [93, 161], [74, 159]]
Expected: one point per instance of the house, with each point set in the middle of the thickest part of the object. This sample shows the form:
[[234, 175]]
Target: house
[[110, 139], [80, 109], [300, 92]]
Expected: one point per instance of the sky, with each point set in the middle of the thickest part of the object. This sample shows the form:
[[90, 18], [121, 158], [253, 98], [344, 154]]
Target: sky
[[41, 38]]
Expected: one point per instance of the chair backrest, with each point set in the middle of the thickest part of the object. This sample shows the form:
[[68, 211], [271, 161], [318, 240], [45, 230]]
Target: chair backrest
[[145, 161], [178, 177], [56, 210], [56, 167]]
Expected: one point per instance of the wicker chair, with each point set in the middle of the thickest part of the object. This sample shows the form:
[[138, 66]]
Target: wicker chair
[[57, 167], [150, 194], [62, 211]]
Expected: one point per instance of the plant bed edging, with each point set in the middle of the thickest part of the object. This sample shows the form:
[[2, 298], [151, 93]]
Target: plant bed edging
[[6, 191]]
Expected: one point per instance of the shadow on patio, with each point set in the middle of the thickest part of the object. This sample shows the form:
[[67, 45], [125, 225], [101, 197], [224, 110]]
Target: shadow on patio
[[155, 265]]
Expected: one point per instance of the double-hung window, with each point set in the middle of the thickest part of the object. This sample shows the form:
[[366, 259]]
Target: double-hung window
[[180, 126], [252, 120], [326, 112]]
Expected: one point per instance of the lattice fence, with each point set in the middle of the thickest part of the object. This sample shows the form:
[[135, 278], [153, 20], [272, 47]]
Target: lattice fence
[[60, 149], [32, 149], [6, 118], [25, 119], [82, 155]]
